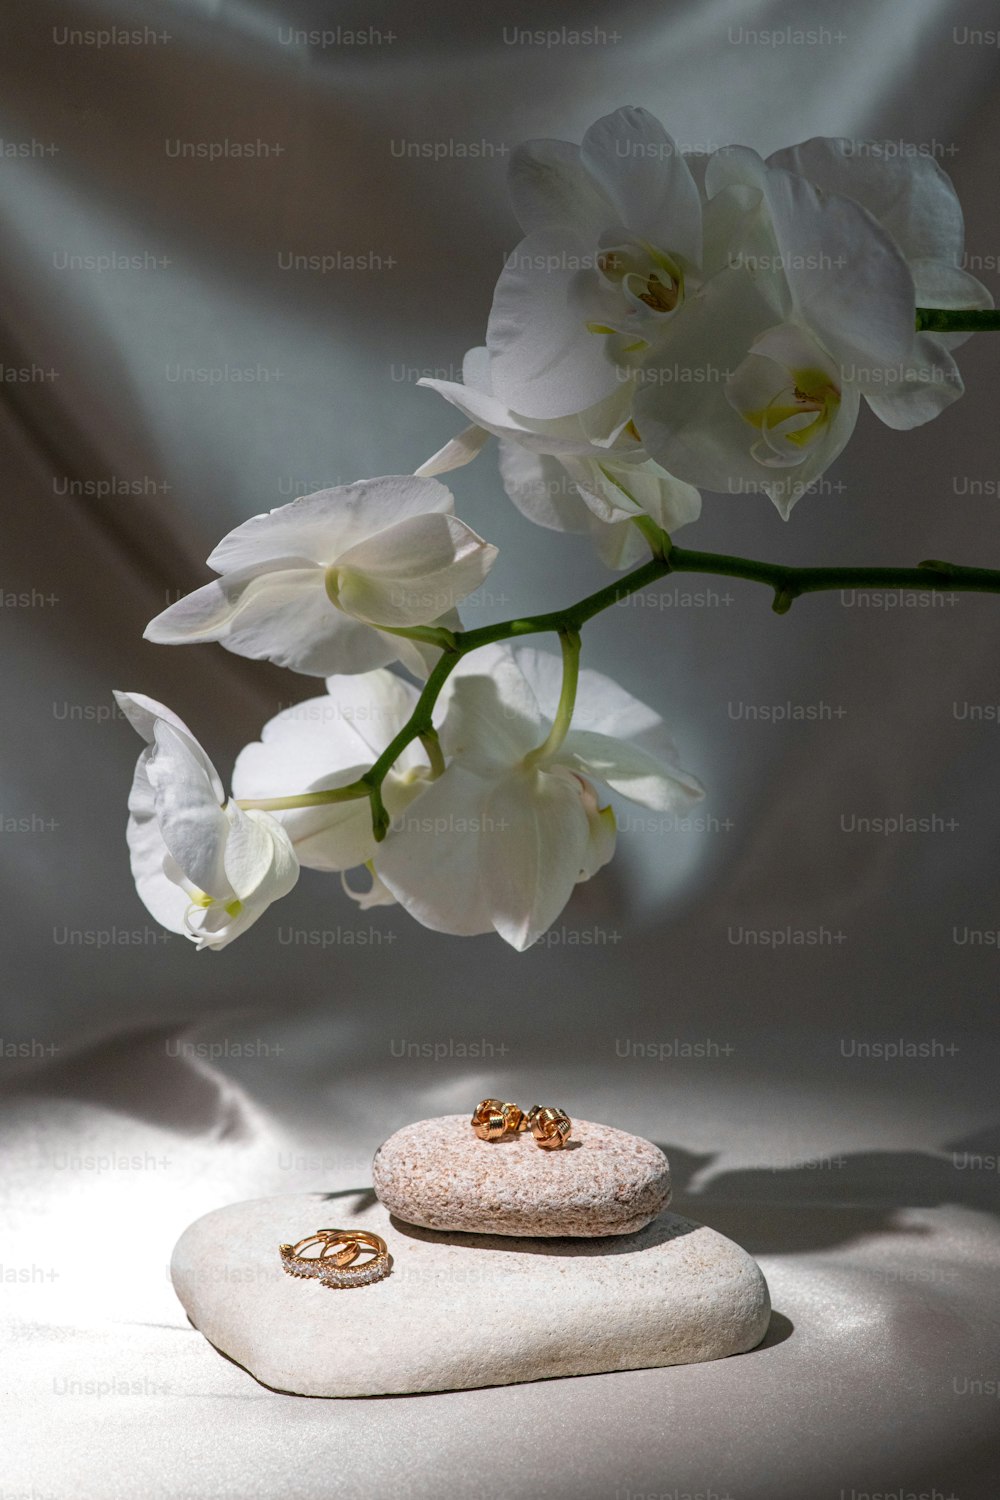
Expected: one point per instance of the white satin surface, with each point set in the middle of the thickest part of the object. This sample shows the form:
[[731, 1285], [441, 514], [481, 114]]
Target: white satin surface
[[144, 1084]]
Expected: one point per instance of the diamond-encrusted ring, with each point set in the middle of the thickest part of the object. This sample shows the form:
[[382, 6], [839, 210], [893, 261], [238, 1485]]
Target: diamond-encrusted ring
[[336, 1267]]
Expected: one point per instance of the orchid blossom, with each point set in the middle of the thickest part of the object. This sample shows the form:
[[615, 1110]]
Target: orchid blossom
[[520, 816], [202, 866], [336, 581], [585, 474]]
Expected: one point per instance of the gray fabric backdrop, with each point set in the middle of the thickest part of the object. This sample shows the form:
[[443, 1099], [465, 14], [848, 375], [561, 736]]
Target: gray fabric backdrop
[[148, 408]]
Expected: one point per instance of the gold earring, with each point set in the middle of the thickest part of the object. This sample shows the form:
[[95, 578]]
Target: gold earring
[[551, 1128], [336, 1268], [492, 1119]]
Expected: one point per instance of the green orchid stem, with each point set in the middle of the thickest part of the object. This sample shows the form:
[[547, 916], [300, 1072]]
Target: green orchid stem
[[435, 755], [351, 793], [419, 724], [569, 640], [431, 635], [787, 583], [659, 541], [958, 319]]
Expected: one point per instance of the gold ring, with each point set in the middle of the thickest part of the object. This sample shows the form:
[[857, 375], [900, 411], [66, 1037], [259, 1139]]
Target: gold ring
[[336, 1268]]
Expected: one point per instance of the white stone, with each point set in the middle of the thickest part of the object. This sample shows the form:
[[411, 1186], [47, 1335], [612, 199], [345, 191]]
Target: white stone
[[439, 1174], [460, 1311]]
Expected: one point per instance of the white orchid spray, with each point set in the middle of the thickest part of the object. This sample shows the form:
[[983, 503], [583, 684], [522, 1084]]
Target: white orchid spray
[[669, 324]]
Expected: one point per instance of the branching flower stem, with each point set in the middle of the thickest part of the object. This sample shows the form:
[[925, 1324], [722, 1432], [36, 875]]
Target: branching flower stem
[[569, 640], [787, 583]]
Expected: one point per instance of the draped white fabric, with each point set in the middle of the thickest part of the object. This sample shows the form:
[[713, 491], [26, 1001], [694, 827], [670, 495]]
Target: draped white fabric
[[230, 249]]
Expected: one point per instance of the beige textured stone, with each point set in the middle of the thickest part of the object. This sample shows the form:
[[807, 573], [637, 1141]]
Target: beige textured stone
[[460, 1311], [439, 1174]]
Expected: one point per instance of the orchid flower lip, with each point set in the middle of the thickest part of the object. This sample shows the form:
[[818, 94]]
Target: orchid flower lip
[[644, 273], [333, 582], [780, 421]]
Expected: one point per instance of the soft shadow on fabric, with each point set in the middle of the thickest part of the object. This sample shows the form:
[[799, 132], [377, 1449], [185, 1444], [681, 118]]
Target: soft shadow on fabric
[[832, 1201]]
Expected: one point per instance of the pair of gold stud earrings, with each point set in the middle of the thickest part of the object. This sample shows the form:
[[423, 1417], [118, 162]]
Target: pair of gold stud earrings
[[492, 1119]]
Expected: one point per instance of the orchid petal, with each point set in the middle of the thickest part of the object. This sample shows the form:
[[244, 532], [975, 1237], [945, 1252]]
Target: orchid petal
[[631, 770], [848, 278], [616, 491], [919, 390], [287, 617], [431, 863], [640, 169], [191, 819], [941, 285], [491, 716], [457, 452], [411, 573], [206, 613], [550, 187], [320, 526], [377, 894], [603, 837], [601, 705], [582, 432], [337, 835], [911, 196], [348, 726], [143, 712], [166, 901], [542, 489], [259, 860], [534, 850], [544, 360], [619, 544], [330, 742]]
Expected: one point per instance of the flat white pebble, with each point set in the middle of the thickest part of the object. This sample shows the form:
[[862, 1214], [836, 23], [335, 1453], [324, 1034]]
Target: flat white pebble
[[459, 1311]]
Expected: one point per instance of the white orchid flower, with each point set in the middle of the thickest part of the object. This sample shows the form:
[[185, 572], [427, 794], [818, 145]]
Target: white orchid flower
[[202, 865], [851, 245], [813, 264], [598, 497], [309, 584], [613, 245], [585, 473], [810, 306], [499, 841], [913, 199], [328, 742], [772, 413], [596, 430]]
